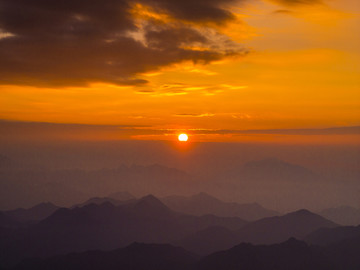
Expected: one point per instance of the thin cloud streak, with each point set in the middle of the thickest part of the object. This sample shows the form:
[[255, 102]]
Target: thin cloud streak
[[13, 130]]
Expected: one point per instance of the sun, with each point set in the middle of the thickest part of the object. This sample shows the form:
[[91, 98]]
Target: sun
[[183, 137]]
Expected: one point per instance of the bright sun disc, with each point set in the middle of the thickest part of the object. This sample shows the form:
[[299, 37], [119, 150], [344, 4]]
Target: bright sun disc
[[183, 137]]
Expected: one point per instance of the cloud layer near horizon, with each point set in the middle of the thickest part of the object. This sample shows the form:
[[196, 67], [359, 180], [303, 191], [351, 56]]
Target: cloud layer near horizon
[[66, 43], [15, 130]]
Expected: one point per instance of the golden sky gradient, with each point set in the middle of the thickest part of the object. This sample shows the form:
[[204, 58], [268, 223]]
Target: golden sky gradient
[[275, 65]]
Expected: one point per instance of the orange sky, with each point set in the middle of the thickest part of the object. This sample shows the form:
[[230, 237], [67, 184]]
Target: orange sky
[[278, 65]]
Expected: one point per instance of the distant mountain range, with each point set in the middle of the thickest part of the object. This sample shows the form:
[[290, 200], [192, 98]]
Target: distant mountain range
[[279, 228], [99, 201], [264, 231], [35, 213], [25, 187], [256, 181], [199, 205], [203, 203]]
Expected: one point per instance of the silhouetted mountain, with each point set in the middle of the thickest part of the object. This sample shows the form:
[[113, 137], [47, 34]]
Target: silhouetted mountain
[[210, 240], [150, 206], [277, 229], [121, 196], [35, 213], [326, 236], [292, 254], [98, 201], [344, 215], [273, 169], [106, 227], [134, 257], [265, 231], [202, 203]]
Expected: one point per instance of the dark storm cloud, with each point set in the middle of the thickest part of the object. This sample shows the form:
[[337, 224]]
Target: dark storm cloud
[[75, 42], [196, 11]]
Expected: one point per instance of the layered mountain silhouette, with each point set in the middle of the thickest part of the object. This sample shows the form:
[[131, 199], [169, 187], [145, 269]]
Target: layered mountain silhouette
[[203, 203], [106, 227], [264, 231], [98, 201], [279, 228], [35, 213], [344, 215], [117, 198]]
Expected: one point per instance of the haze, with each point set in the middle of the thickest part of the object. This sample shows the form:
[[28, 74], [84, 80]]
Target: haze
[[179, 134]]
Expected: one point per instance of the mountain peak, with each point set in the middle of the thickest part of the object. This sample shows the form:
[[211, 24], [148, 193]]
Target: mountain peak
[[151, 205], [293, 242], [303, 212], [150, 198]]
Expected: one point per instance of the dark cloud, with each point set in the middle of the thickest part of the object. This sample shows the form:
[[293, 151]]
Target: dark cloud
[[196, 11], [75, 42]]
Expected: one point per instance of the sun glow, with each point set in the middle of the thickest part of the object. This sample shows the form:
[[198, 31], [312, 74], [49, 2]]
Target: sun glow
[[183, 137]]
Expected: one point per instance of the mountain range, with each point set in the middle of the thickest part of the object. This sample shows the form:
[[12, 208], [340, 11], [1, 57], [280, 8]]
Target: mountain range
[[148, 220], [35, 213], [203, 203], [279, 228], [106, 226]]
